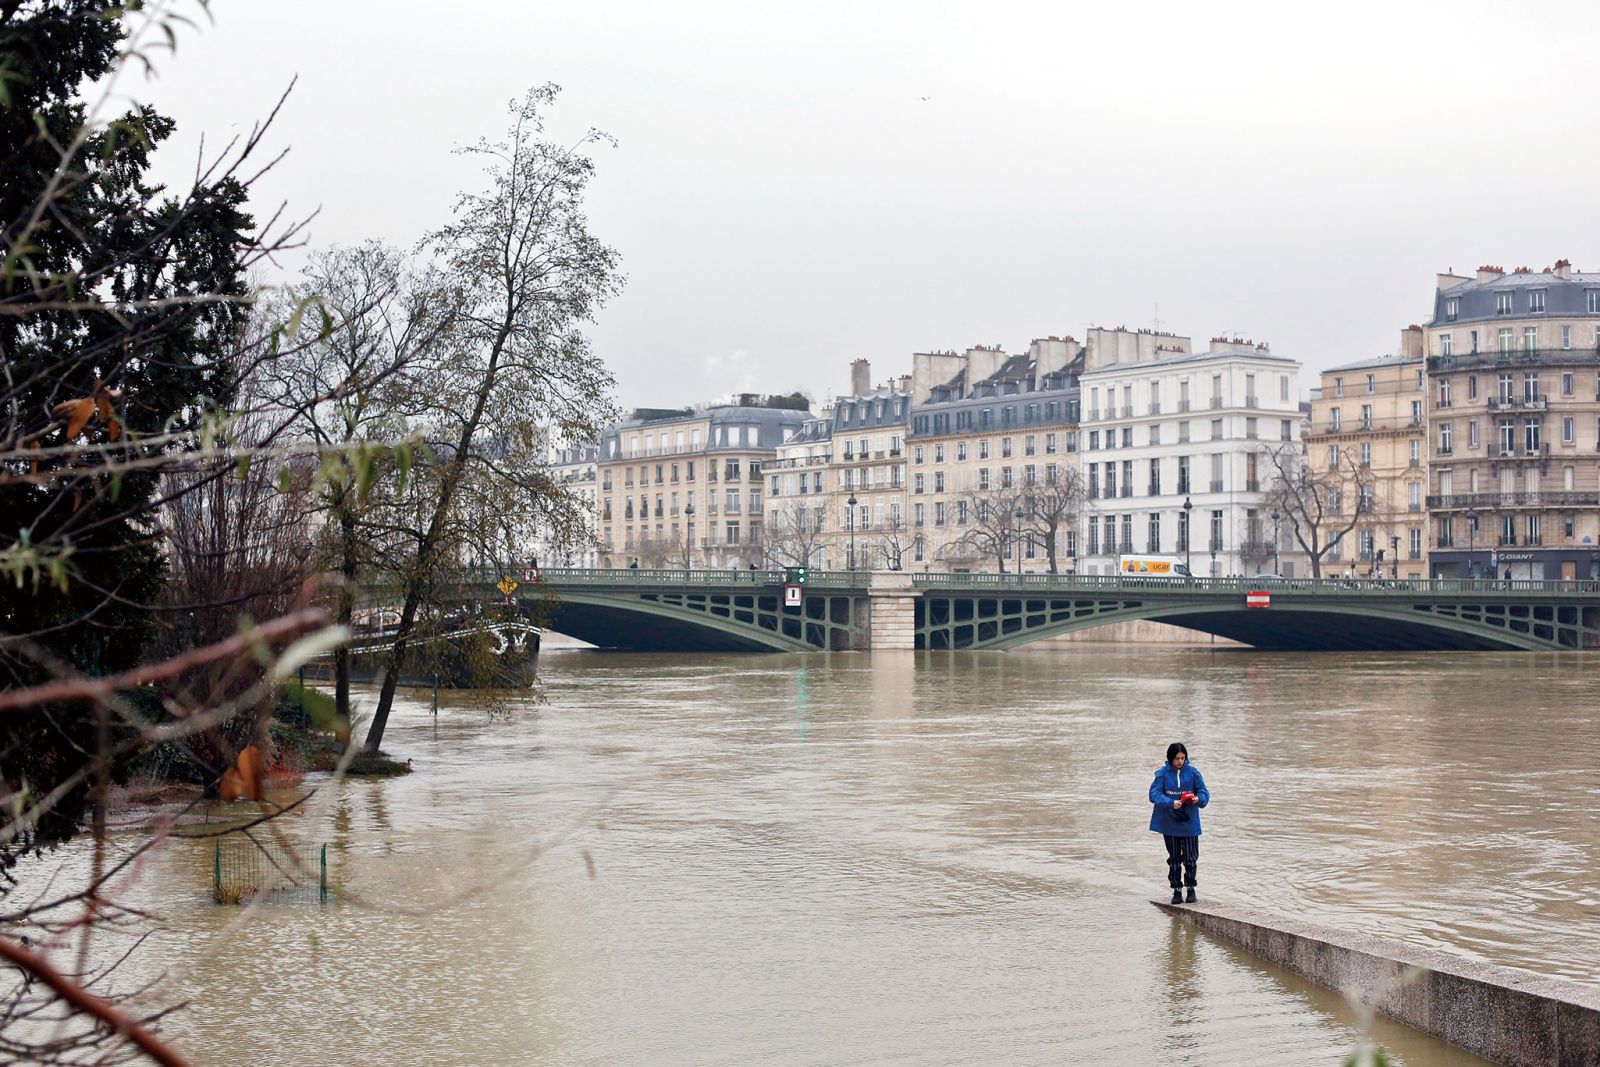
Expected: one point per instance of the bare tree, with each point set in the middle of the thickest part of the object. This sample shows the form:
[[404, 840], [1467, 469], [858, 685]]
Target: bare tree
[[996, 518], [793, 536], [1051, 507], [524, 276], [346, 387], [1320, 506], [895, 542]]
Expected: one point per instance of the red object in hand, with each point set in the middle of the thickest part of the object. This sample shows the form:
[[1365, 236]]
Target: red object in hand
[[1189, 798]]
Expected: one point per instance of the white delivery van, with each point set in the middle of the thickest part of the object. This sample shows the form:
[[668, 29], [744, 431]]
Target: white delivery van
[[1153, 567]]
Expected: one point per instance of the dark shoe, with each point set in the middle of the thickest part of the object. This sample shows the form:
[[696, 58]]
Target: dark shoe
[[1188, 899], [1177, 897]]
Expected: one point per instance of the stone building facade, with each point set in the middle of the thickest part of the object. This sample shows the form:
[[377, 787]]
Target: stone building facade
[[1370, 417], [985, 426], [1172, 444], [1513, 413], [682, 488]]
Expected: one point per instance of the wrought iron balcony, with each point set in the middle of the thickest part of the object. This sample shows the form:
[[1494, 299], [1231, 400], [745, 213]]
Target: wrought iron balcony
[[1514, 358]]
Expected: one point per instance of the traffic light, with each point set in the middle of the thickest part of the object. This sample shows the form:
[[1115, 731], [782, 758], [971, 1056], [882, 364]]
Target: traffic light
[[798, 575]]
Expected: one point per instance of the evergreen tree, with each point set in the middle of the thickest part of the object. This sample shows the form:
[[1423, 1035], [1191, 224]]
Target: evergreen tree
[[119, 302]]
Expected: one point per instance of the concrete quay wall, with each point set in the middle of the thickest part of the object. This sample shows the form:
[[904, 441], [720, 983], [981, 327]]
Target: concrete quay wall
[[1504, 1015]]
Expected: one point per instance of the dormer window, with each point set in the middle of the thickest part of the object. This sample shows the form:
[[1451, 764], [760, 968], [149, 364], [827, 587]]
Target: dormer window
[[1536, 301], [1452, 308], [1502, 303]]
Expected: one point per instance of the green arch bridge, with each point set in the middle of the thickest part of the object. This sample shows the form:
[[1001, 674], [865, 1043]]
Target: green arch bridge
[[721, 610]]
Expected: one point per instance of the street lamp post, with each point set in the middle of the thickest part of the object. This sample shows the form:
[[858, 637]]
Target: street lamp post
[[1394, 555], [850, 524], [1188, 533], [1019, 515], [688, 537], [1472, 536], [1277, 566]]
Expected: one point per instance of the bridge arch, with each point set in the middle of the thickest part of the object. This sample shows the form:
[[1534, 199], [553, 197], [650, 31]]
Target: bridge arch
[[705, 621], [1002, 620]]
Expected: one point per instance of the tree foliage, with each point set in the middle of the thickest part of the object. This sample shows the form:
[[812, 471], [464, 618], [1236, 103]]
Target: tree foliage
[[118, 311]]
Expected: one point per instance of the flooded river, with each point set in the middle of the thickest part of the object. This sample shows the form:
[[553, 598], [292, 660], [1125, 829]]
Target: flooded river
[[892, 859]]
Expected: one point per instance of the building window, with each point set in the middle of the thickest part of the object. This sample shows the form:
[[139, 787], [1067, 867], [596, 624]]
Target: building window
[[1472, 433], [1155, 478], [1502, 303], [1049, 444], [1216, 531], [1338, 387], [1094, 535], [1285, 430], [1472, 387], [1566, 337], [1445, 345], [938, 481], [1366, 453], [1566, 384], [1333, 420], [1530, 338], [1444, 438], [1444, 392], [1593, 296], [1452, 308], [1530, 436], [1005, 448], [1569, 430], [1154, 545], [1536, 301], [1416, 544], [983, 448]]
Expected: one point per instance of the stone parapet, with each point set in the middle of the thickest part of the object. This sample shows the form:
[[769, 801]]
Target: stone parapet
[[1504, 1015]]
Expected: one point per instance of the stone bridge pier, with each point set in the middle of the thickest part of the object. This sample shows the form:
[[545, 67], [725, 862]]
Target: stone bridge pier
[[891, 605]]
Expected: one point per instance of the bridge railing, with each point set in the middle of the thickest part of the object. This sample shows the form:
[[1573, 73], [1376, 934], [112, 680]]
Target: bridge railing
[[1109, 583], [657, 576], [713, 578]]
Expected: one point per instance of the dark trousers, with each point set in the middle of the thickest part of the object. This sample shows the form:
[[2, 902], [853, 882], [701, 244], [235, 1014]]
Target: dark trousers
[[1184, 852]]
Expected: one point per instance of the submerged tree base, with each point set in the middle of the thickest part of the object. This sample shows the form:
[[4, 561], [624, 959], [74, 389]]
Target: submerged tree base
[[363, 765]]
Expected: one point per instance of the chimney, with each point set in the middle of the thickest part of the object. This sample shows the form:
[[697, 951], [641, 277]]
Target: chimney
[[1489, 274], [860, 378], [1411, 342], [1564, 269]]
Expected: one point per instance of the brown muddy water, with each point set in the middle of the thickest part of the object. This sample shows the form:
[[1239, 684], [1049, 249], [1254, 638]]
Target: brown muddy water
[[898, 859]]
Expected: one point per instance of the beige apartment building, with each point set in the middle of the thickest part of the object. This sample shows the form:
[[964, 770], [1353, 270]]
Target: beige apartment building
[[1513, 444], [1367, 437], [856, 452], [985, 426], [683, 488]]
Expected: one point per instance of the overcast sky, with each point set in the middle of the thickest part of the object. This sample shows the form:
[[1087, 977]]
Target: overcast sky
[[795, 186]]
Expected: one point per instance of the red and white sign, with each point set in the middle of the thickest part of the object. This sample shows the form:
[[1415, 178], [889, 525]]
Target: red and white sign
[[1258, 598], [791, 596]]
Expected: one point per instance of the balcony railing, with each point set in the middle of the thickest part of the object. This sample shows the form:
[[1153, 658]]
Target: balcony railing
[[1216, 485], [1517, 357], [1183, 405], [1216, 402], [1252, 401], [1517, 403], [1255, 550], [1491, 501]]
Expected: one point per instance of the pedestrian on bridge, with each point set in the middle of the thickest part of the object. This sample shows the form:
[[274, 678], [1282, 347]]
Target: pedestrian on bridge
[[1177, 795]]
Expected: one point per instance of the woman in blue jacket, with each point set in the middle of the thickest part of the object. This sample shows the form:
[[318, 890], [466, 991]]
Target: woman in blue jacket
[[1178, 793]]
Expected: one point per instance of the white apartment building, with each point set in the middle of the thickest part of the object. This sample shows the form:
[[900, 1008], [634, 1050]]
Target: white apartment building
[[574, 471], [1171, 444]]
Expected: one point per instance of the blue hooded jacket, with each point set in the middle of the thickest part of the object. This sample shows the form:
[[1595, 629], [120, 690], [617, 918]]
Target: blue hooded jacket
[[1169, 784]]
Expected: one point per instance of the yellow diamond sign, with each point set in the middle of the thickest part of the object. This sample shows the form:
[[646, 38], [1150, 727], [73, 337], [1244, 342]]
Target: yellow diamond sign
[[507, 585]]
